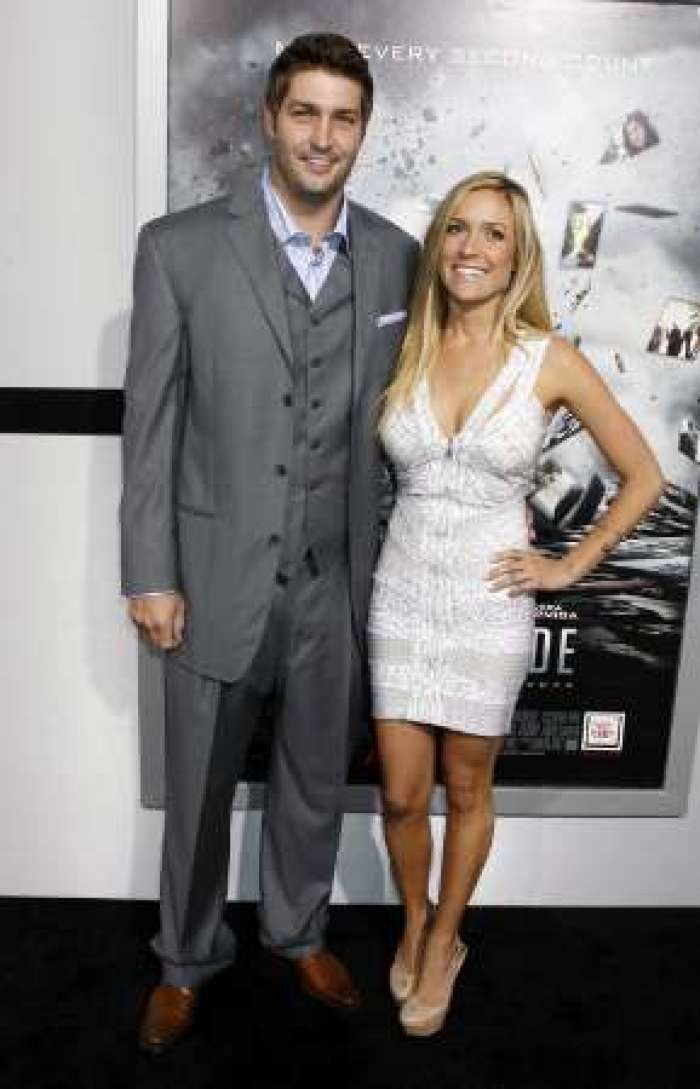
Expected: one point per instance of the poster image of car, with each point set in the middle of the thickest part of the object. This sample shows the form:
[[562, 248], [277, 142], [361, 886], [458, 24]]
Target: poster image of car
[[635, 135], [677, 332], [461, 88], [582, 234]]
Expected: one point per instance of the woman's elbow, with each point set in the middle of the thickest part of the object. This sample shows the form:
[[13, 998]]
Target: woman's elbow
[[654, 482]]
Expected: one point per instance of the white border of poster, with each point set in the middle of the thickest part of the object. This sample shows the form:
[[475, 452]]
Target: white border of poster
[[150, 182]]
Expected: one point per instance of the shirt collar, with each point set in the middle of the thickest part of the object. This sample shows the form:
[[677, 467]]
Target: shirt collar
[[283, 224]]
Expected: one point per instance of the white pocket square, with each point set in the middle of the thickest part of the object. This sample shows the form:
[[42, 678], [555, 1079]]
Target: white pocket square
[[390, 319]]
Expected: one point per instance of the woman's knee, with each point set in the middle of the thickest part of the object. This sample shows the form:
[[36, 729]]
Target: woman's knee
[[403, 803], [467, 767], [467, 791]]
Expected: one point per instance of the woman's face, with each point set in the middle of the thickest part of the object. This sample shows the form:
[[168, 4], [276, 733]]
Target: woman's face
[[635, 134], [478, 251]]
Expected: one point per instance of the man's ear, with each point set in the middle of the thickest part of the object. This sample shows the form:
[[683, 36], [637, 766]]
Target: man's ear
[[268, 121]]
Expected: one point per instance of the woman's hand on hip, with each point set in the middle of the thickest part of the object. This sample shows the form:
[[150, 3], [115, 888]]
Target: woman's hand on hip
[[522, 571]]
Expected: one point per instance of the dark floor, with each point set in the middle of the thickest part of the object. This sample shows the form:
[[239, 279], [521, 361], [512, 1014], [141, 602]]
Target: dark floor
[[549, 999]]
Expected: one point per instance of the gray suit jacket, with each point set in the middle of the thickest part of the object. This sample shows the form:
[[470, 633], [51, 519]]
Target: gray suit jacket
[[205, 426]]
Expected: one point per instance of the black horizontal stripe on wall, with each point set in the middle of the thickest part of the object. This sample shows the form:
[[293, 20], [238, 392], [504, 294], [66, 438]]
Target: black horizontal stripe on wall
[[41, 411]]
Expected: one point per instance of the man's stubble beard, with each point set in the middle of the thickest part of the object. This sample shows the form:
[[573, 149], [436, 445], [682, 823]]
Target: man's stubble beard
[[315, 198]]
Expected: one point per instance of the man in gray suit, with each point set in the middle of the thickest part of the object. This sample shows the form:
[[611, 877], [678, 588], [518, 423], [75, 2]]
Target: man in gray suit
[[265, 326]]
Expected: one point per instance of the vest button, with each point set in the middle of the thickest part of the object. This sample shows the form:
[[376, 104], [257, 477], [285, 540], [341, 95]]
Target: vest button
[[315, 402], [281, 470], [273, 539], [315, 363], [315, 443], [287, 400]]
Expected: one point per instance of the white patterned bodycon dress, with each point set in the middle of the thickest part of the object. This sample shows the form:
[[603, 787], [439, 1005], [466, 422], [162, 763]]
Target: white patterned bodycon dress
[[444, 648]]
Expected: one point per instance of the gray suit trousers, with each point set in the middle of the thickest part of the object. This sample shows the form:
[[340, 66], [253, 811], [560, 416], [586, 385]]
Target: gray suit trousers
[[305, 660]]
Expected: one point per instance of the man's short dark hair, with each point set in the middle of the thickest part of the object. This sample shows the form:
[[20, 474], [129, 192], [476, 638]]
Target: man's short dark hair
[[332, 52]]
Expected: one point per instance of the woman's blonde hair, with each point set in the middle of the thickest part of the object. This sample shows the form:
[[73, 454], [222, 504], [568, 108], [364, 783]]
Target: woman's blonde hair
[[524, 311]]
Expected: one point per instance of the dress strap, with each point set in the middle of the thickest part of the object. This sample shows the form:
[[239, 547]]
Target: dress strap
[[534, 351], [499, 390]]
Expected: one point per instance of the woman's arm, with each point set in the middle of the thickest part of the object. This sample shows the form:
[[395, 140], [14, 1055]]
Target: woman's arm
[[567, 378]]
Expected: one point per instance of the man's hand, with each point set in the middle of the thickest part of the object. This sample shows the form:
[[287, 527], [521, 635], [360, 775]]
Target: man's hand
[[161, 617]]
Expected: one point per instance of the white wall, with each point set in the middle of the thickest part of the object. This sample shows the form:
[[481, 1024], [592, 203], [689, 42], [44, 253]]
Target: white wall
[[70, 822], [66, 207]]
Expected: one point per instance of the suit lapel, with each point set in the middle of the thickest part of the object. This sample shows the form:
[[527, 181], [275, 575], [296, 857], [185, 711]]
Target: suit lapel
[[366, 271], [250, 237]]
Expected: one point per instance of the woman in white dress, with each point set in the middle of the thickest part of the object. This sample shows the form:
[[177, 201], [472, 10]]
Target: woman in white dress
[[451, 618]]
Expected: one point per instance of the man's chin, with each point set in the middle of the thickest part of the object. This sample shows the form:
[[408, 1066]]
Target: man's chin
[[320, 188], [320, 193]]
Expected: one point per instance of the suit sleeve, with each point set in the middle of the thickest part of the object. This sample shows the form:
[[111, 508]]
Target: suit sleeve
[[387, 490], [151, 426]]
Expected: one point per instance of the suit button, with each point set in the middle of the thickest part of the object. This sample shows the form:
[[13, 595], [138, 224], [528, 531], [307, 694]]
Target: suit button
[[287, 400], [315, 363], [315, 443], [315, 403], [281, 579], [281, 470], [273, 539], [315, 319]]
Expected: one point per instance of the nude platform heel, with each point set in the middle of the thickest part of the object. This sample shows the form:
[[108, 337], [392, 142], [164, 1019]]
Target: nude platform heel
[[402, 981], [416, 1018]]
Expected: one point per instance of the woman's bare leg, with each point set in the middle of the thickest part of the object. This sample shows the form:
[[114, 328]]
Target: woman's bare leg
[[468, 763], [407, 758]]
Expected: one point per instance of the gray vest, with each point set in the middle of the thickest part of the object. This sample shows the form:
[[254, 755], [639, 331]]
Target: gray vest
[[322, 341]]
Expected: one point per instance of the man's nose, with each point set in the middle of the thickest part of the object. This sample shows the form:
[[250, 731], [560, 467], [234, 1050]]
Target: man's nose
[[321, 132]]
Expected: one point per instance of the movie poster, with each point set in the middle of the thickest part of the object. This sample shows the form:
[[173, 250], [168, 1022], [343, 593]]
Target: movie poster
[[588, 105]]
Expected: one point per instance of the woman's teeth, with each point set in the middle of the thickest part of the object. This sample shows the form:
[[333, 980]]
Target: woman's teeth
[[470, 273]]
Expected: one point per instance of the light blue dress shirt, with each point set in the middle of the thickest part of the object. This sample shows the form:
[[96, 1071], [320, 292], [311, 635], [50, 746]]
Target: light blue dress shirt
[[312, 264]]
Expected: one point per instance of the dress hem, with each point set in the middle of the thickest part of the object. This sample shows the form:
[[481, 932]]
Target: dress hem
[[403, 720]]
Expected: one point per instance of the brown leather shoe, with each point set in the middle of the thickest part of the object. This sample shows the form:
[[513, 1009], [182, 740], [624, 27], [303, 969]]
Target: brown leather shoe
[[325, 978], [168, 1016]]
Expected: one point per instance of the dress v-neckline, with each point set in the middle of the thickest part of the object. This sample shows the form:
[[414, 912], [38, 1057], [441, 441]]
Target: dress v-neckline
[[482, 402]]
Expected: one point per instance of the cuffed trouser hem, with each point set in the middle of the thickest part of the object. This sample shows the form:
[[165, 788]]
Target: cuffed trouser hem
[[293, 952], [191, 975]]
